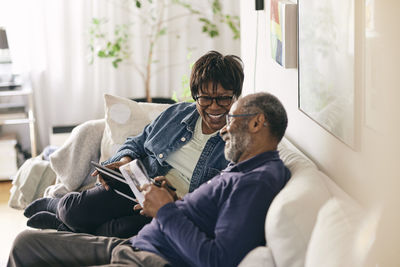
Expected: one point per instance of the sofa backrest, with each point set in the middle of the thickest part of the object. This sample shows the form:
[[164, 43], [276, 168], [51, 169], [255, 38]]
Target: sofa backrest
[[293, 213], [124, 118]]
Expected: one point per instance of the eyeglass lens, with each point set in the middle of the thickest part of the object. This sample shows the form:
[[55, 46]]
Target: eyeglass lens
[[221, 100]]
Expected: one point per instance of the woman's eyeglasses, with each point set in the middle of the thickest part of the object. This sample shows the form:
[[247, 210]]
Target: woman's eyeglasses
[[222, 101]]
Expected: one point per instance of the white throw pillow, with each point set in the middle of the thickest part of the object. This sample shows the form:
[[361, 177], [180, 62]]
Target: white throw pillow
[[124, 118], [292, 215], [335, 240]]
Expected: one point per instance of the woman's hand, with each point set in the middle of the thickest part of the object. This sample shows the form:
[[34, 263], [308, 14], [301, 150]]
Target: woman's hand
[[113, 166]]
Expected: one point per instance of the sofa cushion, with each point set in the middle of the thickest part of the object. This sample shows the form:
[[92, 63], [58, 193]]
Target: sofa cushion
[[124, 118], [293, 158], [292, 215], [339, 236], [260, 256]]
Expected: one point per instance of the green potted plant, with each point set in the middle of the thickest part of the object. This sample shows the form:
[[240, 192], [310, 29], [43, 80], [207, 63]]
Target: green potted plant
[[116, 46]]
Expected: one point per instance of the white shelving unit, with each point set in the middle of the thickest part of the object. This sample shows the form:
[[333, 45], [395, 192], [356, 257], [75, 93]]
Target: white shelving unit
[[16, 108]]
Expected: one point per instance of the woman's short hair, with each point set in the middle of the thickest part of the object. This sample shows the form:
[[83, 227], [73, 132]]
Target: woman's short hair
[[218, 69]]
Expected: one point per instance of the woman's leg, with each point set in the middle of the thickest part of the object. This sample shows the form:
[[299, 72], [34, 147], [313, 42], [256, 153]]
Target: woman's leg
[[86, 211], [41, 204]]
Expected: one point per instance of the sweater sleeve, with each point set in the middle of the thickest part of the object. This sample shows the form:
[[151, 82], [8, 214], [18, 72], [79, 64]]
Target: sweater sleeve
[[239, 228]]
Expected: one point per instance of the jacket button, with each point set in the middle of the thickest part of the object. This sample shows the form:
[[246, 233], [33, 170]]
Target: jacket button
[[161, 156], [183, 139]]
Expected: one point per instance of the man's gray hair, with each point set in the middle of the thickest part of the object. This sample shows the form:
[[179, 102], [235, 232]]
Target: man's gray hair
[[273, 110]]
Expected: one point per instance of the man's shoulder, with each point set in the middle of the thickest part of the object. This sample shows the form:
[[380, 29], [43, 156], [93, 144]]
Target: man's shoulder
[[270, 173]]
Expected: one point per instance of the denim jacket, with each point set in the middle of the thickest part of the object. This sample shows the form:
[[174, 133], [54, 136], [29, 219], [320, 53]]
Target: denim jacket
[[167, 133]]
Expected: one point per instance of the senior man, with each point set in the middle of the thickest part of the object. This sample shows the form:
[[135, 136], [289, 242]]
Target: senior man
[[215, 225]]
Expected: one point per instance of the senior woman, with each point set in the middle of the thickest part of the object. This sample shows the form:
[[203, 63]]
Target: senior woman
[[182, 144]]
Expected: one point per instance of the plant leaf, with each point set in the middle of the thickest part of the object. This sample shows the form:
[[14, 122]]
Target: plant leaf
[[101, 53], [115, 62], [163, 31]]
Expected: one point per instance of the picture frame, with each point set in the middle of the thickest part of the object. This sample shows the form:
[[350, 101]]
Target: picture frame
[[326, 62], [283, 33]]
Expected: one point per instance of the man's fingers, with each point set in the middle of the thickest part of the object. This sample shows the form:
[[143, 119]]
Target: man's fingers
[[165, 185], [145, 188], [170, 191], [137, 207], [95, 173], [160, 179]]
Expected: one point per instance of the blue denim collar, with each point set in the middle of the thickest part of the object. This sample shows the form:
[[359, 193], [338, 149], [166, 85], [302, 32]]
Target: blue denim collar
[[190, 119]]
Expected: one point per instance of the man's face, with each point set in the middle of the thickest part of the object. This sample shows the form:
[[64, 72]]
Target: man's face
[[213, 115], [235, 136]]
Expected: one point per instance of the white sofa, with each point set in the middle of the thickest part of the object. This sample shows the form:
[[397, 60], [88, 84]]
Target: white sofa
[[311, 222], [69, 166]]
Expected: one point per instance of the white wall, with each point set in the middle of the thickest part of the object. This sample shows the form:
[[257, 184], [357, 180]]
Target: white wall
[[358, 171]]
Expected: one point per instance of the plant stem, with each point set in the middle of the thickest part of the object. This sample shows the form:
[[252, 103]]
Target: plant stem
[[153, 40]]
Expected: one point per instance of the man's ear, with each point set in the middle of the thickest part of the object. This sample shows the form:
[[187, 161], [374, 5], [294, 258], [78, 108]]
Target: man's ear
[[257, 123]]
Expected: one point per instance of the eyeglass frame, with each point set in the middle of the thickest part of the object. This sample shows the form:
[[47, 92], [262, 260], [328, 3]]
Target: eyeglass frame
[[228, 117], [216, 100]]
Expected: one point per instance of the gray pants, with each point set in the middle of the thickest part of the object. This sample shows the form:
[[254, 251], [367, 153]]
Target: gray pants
[[50, 248]]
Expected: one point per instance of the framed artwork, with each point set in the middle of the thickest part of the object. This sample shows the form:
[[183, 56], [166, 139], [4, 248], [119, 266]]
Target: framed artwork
[[327, 65], [284, 33]]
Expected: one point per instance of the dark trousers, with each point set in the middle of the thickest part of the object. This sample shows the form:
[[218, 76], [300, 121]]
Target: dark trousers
[[100, 212]]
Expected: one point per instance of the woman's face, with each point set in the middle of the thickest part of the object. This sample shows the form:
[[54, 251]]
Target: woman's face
[[213, 115]]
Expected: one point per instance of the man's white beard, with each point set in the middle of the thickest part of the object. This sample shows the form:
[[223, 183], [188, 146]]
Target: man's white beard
[[237, 145]]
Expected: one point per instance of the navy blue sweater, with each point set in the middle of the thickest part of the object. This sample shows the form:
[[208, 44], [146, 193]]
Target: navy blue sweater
[[222, 220]]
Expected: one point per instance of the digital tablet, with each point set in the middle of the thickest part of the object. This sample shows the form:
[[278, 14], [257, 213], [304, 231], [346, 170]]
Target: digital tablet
[[116, 181]]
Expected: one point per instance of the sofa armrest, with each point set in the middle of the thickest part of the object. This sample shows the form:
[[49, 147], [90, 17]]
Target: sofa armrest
[[71, 162]]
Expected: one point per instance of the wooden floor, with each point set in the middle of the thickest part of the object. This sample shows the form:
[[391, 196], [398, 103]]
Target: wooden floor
[[4, 191], [12, 222]]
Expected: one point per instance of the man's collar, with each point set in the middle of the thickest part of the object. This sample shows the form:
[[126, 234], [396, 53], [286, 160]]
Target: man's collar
[[253, 162]]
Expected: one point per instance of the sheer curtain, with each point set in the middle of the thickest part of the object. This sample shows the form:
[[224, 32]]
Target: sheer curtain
[[49, 40]]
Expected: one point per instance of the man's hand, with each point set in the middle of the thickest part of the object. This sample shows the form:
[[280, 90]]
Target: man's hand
[[154, 198], [113, 166], [164, 183]]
